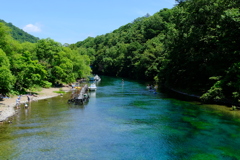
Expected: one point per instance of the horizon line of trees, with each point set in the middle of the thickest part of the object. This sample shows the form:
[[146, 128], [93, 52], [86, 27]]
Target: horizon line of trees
[[20, 35], [25, 66], [192, 47]]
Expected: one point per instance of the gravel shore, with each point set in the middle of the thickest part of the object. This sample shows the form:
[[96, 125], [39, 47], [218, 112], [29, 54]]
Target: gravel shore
[[8, 104]]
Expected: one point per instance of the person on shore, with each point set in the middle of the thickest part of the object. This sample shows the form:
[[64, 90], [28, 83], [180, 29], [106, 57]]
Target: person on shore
[[18, 102], [28, 98]]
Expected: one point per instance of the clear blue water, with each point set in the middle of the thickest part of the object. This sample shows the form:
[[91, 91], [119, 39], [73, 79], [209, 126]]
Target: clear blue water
[[120, 122]]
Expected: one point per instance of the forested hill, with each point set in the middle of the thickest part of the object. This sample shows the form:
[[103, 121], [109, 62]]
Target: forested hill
[[20, 35], [26, 66], [192, 47]]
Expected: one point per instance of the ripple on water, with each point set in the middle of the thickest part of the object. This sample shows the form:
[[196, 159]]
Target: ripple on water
[[121, 122]]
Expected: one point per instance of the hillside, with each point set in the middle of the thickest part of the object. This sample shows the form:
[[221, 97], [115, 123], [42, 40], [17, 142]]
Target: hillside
[[192, 47], [28, 66], [20, 35]]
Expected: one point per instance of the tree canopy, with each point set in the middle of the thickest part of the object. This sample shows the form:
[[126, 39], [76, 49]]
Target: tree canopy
[[28, 65], [191, 47], [20, 35]]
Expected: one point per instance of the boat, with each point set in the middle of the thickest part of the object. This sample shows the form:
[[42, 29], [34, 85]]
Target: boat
[[91, 78], [97, 78], [92, 87]]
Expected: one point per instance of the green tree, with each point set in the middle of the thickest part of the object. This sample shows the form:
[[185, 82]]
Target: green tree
[[7, 80]]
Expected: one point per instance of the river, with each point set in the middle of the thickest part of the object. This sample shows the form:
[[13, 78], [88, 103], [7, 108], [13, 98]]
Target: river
[[120, 122]]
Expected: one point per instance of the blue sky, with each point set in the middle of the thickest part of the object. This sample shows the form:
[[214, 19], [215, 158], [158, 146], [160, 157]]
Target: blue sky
[[70, 21]]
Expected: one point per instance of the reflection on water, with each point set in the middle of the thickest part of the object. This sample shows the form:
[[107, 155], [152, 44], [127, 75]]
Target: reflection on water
[[120, 121]]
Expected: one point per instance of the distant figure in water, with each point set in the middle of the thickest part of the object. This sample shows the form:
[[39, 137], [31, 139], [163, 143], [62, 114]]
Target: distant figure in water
[[151, 87], [17, 102], [148, 86], [122, 81]]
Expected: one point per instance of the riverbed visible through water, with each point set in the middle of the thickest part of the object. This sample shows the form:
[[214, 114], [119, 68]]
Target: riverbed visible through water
[[121, 121]]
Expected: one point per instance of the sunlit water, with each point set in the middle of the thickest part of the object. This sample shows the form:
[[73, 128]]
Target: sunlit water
[[120, 122]]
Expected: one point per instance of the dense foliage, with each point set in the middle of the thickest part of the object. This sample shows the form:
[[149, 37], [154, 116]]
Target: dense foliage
[[192, 47], [24, 66], [19, 34]]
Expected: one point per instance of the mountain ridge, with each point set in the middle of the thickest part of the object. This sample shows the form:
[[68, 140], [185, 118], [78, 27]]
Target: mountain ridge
[[20, 35]]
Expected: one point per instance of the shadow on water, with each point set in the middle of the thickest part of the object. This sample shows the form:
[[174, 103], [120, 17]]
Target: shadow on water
[[80, 106]]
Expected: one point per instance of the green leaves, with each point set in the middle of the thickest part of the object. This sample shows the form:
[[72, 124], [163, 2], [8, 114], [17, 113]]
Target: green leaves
[[232, 14], [26, 66], [4, 61], [62, 63], [6, 79]]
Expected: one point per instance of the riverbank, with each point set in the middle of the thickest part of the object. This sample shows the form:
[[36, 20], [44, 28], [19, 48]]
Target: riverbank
[[7, 106], [219, 106]]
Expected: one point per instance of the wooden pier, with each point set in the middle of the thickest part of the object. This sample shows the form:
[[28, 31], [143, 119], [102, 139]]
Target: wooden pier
[[79, 95]]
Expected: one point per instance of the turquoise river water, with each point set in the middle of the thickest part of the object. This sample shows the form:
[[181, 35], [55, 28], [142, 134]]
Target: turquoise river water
[[120, 122]]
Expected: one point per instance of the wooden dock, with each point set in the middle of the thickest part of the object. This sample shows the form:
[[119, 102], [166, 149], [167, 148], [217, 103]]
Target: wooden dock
[[79, 95]]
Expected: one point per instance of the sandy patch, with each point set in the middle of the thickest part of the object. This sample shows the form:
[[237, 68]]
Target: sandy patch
[[7, 105]]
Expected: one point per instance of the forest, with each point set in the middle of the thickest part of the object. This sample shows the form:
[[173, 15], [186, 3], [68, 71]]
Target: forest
[[26, 66], [19, 34], [192, 47]]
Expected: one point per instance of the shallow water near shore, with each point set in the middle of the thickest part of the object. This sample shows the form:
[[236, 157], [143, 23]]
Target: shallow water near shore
[[120, 121]]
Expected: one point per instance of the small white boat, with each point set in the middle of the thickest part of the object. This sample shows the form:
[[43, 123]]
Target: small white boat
[[92, 87], [97, 78]]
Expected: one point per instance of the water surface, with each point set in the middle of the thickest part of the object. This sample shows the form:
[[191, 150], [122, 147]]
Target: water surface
[[120, 122]]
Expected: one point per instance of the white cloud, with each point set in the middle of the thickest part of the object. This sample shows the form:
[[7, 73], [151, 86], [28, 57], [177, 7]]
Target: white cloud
[[141, 12], [32, 28]]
